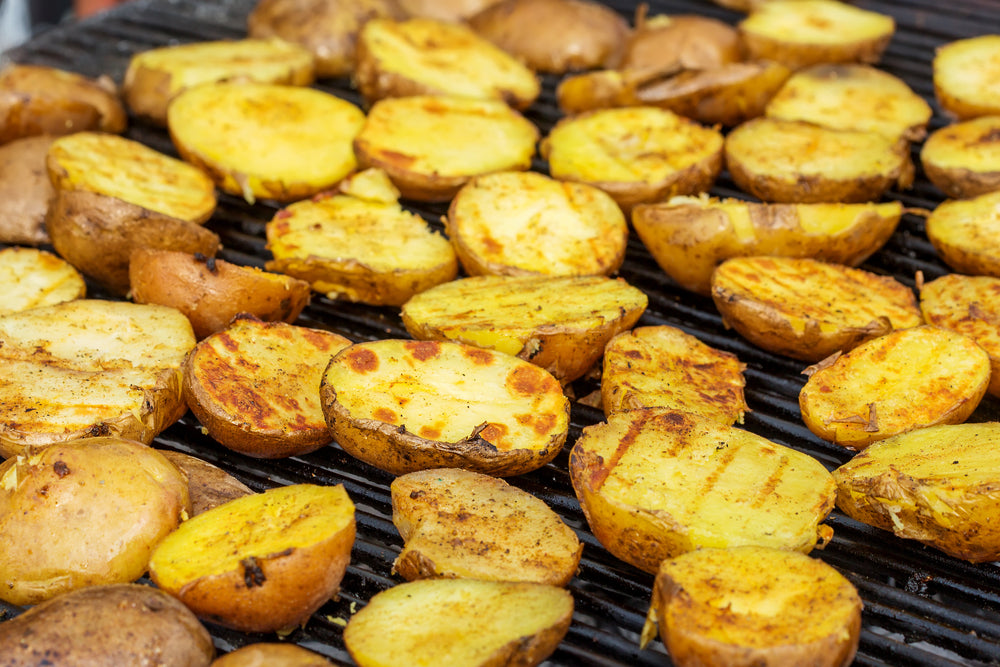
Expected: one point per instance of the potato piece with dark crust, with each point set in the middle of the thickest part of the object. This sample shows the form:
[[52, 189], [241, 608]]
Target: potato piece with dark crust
[[272, 655], [33, 278], [965, 233], [25, 189], [208, 485], [965, 72], [963, 159]]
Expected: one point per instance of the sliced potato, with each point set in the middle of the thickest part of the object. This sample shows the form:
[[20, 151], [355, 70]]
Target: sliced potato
[[657, 483], [458, 523], [688, 236], [965, 72], [561, 324], [904, 380], [272, 654], [263, 562], [405, 405], [965, 233], [208, 485], [25, 189], [522, 223], [33, 278], [690, 41], [460, 622], [963, 159]]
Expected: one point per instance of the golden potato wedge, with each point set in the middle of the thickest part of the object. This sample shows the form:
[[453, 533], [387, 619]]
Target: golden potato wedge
[[904, 380], [754, 606], [657, 483], [460, 621], [964, 73], [461, 524], [797, 162], [33, 278], [963, 159], [561, 324], [208, 485], [432, 145], [935, 484], [661, 42], [807, 309], [263, 562], [84, 513], [25, 189], [426, 57], [404, 405], [523, 223], [663, 367], [965, 234], [156, 76], [272, 654], [636, 154], [690, 236], [255, 386]]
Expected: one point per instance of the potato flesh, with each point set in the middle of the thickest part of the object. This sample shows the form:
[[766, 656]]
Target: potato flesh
[[34, 278], [816, 22], [964, 73], [969, 152], [965, 232]]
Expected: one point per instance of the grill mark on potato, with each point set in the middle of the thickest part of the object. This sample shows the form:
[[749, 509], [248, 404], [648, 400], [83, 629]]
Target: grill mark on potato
[[385, 415], [362, 361], [763, 495], [605, 467], [721, 463], [527, 381], [541, 424], [422, 350]]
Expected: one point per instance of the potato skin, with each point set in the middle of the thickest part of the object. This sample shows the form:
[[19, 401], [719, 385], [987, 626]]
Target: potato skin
[[25, 189], [272, 655], [208, 485]]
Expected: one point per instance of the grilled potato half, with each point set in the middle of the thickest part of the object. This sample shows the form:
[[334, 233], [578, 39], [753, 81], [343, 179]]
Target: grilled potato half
[[807, 309], [26, 190], [690, 41], [461, 524], [690, 236], [963, 159], [272, 653], [936, 485], [404, 405], [904, 380], [965, 233], [33, 278], [559, 323], [965, 72], [657, 483]]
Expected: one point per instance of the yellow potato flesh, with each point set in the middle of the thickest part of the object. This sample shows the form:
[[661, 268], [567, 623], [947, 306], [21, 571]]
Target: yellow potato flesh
[[965, 72], [34, 278], [816, 22], [973, 144], [965, 233]]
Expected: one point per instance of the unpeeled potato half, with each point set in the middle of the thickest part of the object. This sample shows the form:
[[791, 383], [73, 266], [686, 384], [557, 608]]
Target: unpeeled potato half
[[965, 234], [964, 72], [34, 278], [26, 189], [963, 159]]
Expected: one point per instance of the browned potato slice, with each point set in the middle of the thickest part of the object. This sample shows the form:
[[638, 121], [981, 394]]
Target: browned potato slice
[[904, 380], [458, 523], [208, 485], [84, 513], [963, 159], [657, 483], [797, 162], [689, 41], [560, 324], [405, 405], [754, 606], [523, 223], [636, 155], [965, 233], [155, 77], [936, 485], [260, 563], [428, 57], [25, 189], [255, 386], [688, 237], [965, 76], [272, 655], [266, 140], [663, 367], [800, 33], [33, 278], [432, 145], [807, 309], [460, 622]]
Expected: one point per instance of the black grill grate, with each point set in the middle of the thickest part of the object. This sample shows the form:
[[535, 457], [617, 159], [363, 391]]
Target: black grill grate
[[921, 607]]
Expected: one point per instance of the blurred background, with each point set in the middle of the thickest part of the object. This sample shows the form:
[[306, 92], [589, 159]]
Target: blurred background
[[21, 19]]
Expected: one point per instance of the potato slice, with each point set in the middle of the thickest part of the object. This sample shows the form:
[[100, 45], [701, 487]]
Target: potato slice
[[33, 278], [260, 140], [273, 654], [255, 386], [689, 236], [460, 622], [208, 485], [965, 72], [796, 162], [657, 483], [26, 190], [432, 145], [935, 484], [904, 380], [559, 323], [663, 367], [963, 159], [636, 155], [965, 231], [458, 523], [263, 562], [807, 309], [800, 33], [426, 57], [517, 223], [404, 406], [84, 513], [754, 606], [690, 41]]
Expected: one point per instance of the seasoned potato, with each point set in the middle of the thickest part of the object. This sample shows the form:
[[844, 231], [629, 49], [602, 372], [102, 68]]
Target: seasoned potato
[[657, 483], [904, 380], [255, 386], [405, 405], [427, 57], [272, 655], [636, 154], [688, 236], [754, 606], [208, 485], [963, 159], [965, 233], [965, 73], [458, 523], [25, 189], [433, 145], [561, 324], [461, 622], [663, 367], [83, 513], [689, 41], [33, 278], [260, 563], [935, 484], [523, 223], [260, 140], [117, 624]]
